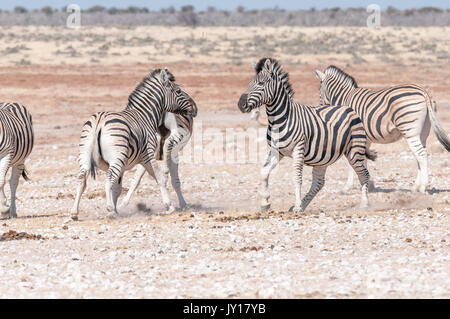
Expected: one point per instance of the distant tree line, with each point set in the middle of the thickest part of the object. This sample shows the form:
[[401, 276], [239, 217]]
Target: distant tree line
[[188, 15]]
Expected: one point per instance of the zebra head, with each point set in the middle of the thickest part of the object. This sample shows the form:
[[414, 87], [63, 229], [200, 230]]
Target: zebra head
[[263, 87], [176, 100], [323, 92], [335, 84]]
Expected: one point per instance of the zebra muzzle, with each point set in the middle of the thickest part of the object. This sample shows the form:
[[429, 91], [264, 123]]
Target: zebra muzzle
[[242, 104], [193, 108]]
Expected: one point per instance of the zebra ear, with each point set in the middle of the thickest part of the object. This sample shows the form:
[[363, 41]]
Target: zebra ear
[[164, 76], [253, 65], [268, 65], [320, 75]]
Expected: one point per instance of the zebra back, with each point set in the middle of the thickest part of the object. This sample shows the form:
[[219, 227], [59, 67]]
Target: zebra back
[[17, 123]]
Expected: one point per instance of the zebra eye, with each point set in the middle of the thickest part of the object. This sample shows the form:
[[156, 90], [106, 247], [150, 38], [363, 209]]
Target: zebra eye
[[178, 91], [261, 83]]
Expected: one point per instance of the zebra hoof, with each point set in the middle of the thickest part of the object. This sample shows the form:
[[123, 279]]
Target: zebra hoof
[[371, 187], [4, 210], [112, 215], [5, 215], [170, 210], [419, 189], [265, 208], [295, 209], [365, 205]]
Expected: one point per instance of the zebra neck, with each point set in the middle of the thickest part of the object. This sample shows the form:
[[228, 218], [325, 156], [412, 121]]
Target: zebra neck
[[343, 96], [278, 112], [148, 110]]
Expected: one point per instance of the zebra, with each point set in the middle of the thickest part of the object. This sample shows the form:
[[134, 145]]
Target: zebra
[[174, 133], [387, 115], [117, 141], [314, 136], [16, 143], [255, 115]]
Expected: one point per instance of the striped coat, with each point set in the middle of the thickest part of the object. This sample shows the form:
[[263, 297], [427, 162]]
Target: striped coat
[[16, 143], [314, 136], [117, 141], [400, 111], [174, 133]]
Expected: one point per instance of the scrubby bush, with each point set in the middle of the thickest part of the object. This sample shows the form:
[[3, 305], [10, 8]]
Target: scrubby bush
[[187, 8], [47, 10], [187, 16], [20, 9], [96, 9]]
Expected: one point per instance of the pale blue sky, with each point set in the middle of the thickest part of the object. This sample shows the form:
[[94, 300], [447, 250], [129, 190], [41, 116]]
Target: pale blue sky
[[228, 4]]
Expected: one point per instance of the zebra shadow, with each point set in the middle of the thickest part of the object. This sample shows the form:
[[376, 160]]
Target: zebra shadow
[[201, 208], [437, 191], [389, 190], [143, 209], [403, 190], [28, 216]]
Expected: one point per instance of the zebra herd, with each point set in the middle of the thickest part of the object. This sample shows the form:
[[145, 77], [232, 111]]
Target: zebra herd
[[158, 120]]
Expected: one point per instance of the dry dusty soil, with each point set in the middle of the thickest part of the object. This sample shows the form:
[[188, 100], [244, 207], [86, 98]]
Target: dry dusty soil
[[221, 245]]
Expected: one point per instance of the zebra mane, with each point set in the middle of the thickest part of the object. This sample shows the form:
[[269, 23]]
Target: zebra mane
[[340, 75], [143, 86], [284, 76]]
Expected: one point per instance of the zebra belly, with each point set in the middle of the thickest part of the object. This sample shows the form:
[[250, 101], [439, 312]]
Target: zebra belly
[[389, 134]]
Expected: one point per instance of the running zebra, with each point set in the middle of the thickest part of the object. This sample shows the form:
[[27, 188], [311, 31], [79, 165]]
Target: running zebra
[[174, 134], [116, 141], [387, 115], [17, 139], [255, 115], [315, 136]]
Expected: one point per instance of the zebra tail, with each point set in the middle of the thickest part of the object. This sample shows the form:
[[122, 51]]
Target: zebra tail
[[371, 155], [441, 135], [163, 133], [95, 152], [92, 169], [25, 175], [160, 149]]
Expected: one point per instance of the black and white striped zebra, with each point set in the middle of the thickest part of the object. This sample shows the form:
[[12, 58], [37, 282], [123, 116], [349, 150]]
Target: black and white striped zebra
[[314, 136], [117, 141], [400, 111], [16, 143], [174, 134]]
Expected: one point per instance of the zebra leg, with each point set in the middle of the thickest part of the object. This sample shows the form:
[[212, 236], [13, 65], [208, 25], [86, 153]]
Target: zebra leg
[[272, 160], [4, 166], [154, 170], [134, 185], [350, 176], [350, 179], [113, 186], [171, 149], [360, 168], [16, 171], [175, 180], [420, 152], [116, 190], [298, 161], [318, 181], [82, 176]]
